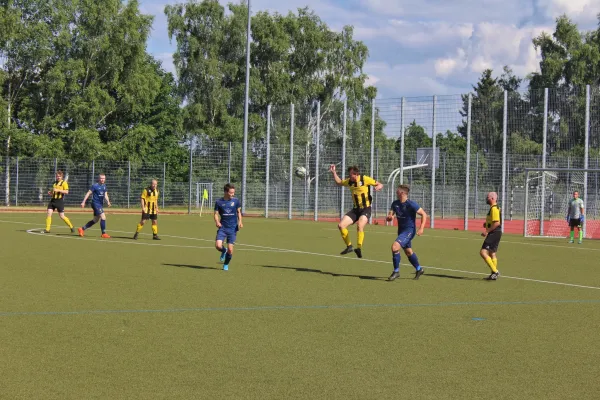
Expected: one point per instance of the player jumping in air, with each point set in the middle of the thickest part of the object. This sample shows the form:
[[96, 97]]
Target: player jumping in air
[[149, 209], [60, 188], [361, 196], [575, 217], [99, 193], [228, 218], [492, 235], [406, 212]]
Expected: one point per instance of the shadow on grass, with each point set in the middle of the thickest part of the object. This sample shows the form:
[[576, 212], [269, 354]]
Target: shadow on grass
[[191, 266], [318, 271], [466, 278]]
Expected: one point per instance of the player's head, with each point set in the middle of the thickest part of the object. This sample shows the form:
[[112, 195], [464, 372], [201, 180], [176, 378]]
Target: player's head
[[576, 194], [101, 179], [353, 173], [402, 192], [154, 184], [59, 175], [229, 191], [492, 198]]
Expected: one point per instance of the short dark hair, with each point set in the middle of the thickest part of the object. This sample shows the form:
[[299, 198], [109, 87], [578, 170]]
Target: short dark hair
[[354, 169], [405, 188], [227, 187], [60, 173]]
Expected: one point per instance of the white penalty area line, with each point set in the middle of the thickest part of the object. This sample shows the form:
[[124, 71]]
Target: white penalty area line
[[279, 250]]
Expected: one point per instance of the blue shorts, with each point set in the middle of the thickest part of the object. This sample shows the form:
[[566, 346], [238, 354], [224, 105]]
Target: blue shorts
[[229, 234], [98, 210], [405, 238]]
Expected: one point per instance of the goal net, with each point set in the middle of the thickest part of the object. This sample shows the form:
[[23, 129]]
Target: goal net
[[548, 193]]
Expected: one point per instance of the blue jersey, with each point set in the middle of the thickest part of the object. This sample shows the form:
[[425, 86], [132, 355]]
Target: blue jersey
[[406, 214], [98, 193], [228, 210]]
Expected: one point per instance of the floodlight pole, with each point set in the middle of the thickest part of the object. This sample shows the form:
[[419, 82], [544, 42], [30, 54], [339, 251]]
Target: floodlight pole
[[245, 146]]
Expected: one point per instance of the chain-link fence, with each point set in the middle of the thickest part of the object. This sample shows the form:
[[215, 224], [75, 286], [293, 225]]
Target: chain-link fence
[[451, 150]]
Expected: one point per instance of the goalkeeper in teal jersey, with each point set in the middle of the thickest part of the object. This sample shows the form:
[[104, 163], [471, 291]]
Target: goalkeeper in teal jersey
[[575, 217]]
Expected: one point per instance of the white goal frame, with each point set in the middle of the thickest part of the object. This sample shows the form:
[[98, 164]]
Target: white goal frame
[[391, 181], [550, 172]]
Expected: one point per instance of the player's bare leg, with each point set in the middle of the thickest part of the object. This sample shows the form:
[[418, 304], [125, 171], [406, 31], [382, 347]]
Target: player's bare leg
[[360, 233], [343, 227]]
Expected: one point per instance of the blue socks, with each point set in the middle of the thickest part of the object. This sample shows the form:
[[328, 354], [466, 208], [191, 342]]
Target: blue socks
[[228, 258], [89, 225], [414, 261], [103, 225], [396, 261]]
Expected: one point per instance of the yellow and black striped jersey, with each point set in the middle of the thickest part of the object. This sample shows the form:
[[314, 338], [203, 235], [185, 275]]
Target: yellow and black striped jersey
[[360, 189], [60, 185], [150, 197]]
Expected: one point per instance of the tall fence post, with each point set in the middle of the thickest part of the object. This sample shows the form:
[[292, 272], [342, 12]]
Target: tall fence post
[[163, 184], [7, 181], [291, 192], [93, 171], [372, 136], [17, 184], [55, 166], [433, 163], [476, 205], [544, 142], [586, 154], [229, 165], [377, 179], [190, 175], [468, 169], [318, 152], [268, 162], [504, 138], [444, 186], [402, 141], [128, 181], [343, 171]]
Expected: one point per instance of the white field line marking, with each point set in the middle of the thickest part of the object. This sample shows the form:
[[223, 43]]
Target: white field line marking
[[275, 249]]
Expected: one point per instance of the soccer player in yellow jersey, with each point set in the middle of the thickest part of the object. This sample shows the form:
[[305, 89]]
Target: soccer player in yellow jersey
[[60, 188], [149, 209], [492, 235], [359, 186]]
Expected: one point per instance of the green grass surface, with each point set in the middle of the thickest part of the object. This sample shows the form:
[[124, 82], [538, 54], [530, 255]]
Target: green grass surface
[[87, 318]]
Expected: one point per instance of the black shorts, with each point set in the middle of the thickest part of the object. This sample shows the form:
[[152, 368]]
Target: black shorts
[[152, 217], [57, 204], [492, 240], [575, 223], [356, 213]]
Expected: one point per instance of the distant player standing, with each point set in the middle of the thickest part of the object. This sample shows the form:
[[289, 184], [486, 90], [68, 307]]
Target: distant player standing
[[228, 218], [99, 193], [492, 235], [359, 186], [575, 217], [406, 212], [149, 209], [60, 188]]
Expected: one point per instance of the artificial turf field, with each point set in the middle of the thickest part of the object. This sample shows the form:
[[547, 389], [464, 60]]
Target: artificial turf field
[[91, 318]]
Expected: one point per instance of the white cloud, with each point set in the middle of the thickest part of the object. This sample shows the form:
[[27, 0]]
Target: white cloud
[[166, 60], [578, 10]]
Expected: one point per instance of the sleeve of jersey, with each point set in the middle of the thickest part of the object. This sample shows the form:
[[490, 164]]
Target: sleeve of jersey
[[495, 214], [65, 186], [143, 196], [216, 206], [345, 182], [370, 181]]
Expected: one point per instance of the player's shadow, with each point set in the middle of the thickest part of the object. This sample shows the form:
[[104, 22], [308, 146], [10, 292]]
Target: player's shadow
[[318, 271], [466, 278], [190, 266]]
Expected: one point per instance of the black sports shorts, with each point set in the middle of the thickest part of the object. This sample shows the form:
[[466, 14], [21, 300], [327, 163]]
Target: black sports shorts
[[492, 240], [152, 217], [575, 222], [356, 213], [57, 204]]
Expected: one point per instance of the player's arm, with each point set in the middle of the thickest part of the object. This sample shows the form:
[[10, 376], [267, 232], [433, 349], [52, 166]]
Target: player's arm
[[87, 195], [143, 204], [239, 215], [63, 191], [107, 199], [495, 222], [582, 211], [391, 215], [336, 178], [217, 217], [421, 213], [372, 182]]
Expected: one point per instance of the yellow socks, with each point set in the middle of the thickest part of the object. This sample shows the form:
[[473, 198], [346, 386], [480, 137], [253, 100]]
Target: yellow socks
[[360, 239], [346, 236], [495, 261], [139, 228], [491, 264], [48, 223], [68, 222], [155, 229]]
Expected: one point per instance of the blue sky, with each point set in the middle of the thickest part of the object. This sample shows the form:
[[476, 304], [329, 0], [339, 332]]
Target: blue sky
[[424, 47]]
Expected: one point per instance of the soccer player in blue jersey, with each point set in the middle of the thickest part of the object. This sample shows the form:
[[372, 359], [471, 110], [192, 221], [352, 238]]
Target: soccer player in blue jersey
[[99, 193], [406, 212], [228, 218]]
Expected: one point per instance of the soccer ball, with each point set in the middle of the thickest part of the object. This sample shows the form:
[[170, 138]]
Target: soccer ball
[[300, 172]]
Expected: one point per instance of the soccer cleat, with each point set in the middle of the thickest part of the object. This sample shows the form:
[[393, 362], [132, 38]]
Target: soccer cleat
[[155, 237], [80, 231], [580, 242], [419, 273], [105, 236], [225, 267], [72, 230], [358, 253], [571, 241], [493, 276], [347, 250], [394, 275], [46, 231], [135, 236]]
